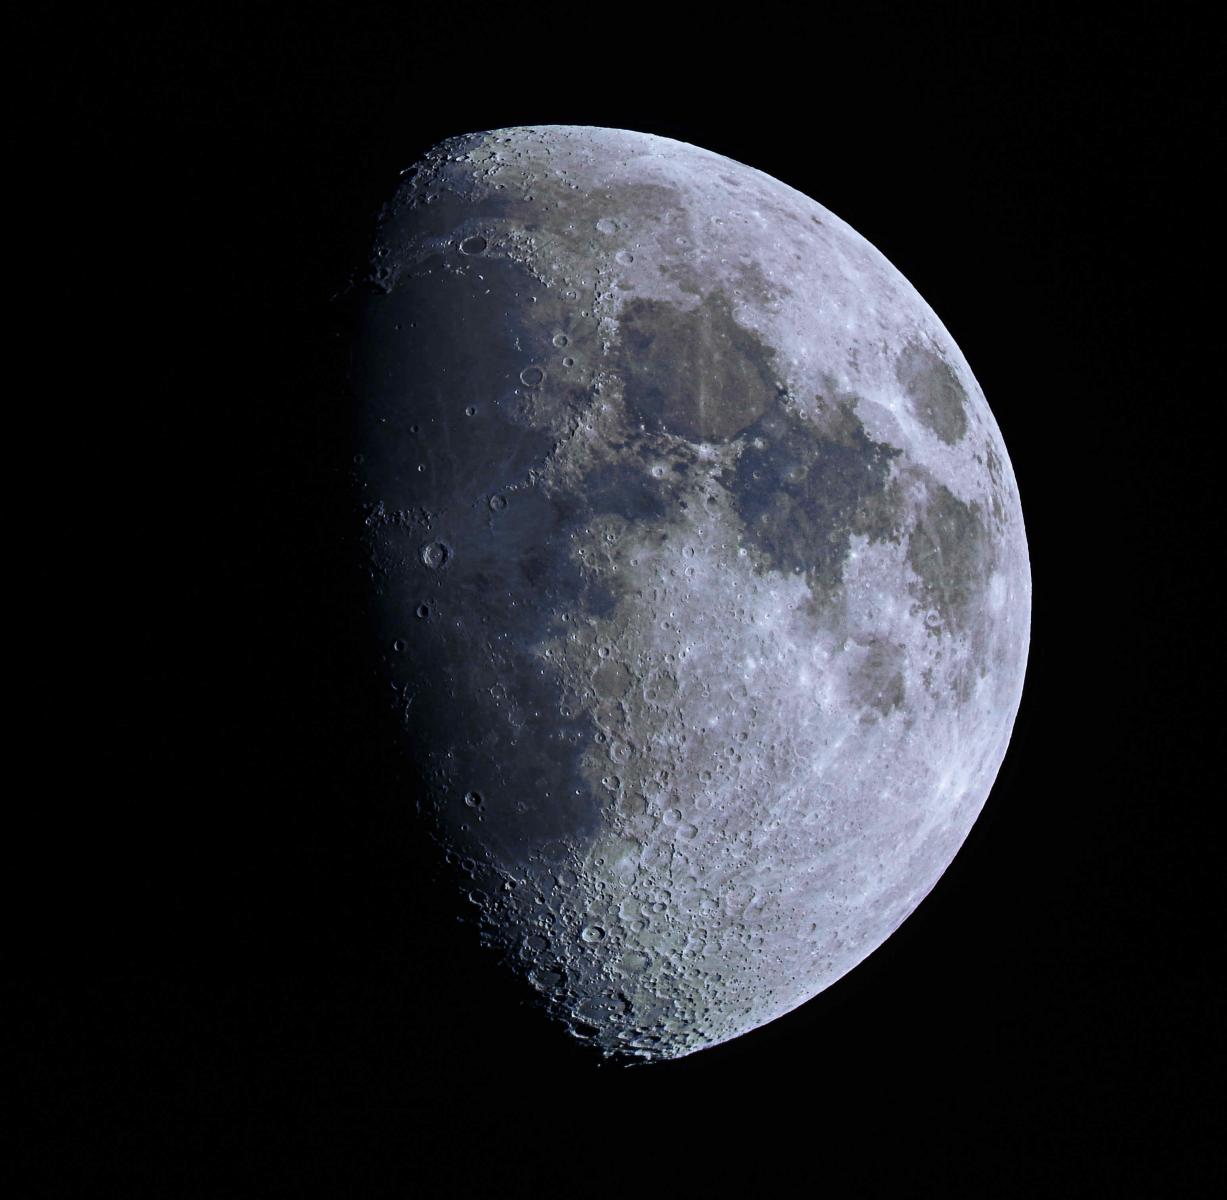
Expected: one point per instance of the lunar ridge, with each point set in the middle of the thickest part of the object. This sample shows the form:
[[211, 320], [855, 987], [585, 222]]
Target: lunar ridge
[[699, 567]]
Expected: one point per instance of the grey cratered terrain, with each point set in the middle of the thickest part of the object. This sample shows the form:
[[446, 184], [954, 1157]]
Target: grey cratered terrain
[[700, 568]]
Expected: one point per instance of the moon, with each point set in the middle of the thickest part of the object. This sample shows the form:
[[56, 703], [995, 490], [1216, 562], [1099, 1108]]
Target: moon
[[698, 571]]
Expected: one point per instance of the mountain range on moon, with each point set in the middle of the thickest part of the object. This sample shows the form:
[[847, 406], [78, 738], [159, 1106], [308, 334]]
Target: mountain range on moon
[[699, 569]]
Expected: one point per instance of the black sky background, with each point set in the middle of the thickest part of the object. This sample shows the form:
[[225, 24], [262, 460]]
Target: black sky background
[[235, 974]]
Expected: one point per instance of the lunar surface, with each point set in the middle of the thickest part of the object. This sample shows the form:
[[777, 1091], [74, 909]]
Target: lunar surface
[[698, 567]]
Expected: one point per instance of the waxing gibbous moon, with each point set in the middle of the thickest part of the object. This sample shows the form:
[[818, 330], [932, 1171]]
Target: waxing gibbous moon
[[698, 568]]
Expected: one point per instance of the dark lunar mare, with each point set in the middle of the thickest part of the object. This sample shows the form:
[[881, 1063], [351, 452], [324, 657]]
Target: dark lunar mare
[[694, 373], [804, 486], [934, 392], [472, 562]]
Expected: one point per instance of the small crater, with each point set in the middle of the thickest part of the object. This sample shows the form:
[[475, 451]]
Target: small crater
[[436, 554], [532, 377]]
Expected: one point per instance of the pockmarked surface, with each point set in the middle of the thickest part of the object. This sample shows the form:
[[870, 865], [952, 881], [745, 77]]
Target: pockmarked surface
[[700, 567]]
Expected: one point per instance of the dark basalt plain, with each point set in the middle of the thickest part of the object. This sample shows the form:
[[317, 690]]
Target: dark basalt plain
[[698, 569]]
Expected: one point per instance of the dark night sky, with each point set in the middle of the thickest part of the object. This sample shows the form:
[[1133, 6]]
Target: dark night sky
[[234, 976]]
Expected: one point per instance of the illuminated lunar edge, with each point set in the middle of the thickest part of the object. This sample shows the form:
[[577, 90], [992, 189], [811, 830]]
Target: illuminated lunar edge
[[706, 568]]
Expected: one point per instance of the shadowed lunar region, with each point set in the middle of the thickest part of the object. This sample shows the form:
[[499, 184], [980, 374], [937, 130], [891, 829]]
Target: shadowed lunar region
[[699, 568]]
